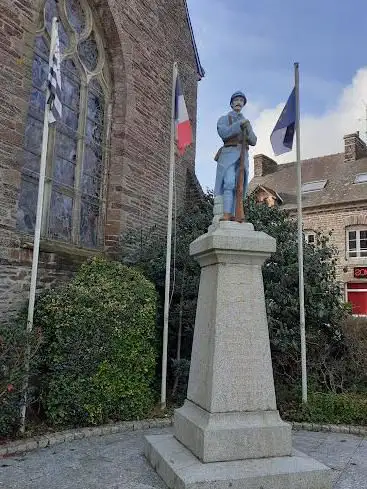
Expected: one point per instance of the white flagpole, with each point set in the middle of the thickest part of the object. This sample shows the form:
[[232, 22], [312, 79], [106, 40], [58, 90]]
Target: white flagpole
[[300, 241], [169, 244], [37, 231]]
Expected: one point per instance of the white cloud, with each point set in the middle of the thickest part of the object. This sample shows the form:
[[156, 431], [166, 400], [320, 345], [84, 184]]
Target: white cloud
[[320, 134]]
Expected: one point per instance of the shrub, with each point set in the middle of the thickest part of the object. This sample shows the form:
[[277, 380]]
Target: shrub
[[324, 306], [13, 344], [336, 360], [328, 407], [355, 338], [98, 359], [147, 250]]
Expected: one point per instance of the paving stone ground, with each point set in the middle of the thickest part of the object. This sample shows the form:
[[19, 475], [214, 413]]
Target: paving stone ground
[[117, 462]]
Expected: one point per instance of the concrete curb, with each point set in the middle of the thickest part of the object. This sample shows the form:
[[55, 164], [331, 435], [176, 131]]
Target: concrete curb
[[51, 439], [21, 446], [332, 428]]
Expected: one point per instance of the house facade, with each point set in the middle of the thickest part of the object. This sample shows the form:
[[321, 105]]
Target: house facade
[[107, 161], [334, 199]]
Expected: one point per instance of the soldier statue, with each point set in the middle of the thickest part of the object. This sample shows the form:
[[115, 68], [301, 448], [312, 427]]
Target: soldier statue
[[232, 159]]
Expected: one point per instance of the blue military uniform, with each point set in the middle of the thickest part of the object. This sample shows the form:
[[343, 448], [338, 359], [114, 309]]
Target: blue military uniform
[[228, 157]]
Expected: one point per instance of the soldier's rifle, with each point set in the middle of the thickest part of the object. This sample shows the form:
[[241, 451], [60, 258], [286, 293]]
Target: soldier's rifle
[[240, 214]]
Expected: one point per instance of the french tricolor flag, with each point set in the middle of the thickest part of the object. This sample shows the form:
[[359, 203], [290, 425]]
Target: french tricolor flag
[[183, 124]]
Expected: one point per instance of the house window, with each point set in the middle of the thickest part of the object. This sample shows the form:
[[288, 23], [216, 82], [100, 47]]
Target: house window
[[357, 243], [357, 296], [76, 156], [310, 237]]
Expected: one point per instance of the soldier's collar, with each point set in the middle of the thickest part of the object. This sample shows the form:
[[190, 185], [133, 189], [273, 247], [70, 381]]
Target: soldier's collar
[[233, 113]]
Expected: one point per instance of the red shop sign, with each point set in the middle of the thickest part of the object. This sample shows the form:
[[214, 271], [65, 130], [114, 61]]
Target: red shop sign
[[360, 272]]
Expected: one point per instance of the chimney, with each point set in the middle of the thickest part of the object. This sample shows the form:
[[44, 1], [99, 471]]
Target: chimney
[[263, 165], [354, 147]]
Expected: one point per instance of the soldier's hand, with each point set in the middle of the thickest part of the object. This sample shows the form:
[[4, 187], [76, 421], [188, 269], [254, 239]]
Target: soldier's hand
[[245, 123]]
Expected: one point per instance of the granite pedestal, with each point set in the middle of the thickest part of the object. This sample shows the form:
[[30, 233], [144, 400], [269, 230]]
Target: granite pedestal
[[229, 432]]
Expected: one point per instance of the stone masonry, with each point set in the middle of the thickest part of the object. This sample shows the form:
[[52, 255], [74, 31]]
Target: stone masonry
[[142, 39], [337, 221]]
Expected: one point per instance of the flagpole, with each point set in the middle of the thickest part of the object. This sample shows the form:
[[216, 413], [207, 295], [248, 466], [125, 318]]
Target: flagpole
[[169, 244], [300, 241], [37, 231]]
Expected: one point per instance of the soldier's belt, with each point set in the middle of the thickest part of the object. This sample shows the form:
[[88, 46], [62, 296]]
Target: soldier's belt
[[232, 142], [227, 145]]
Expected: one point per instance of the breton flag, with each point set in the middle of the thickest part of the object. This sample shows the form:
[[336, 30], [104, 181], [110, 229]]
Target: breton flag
[[183, 124], [54, 81], [282, 136]]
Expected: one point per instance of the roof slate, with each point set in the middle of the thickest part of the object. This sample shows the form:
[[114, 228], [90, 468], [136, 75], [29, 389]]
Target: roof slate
[[339, 188]]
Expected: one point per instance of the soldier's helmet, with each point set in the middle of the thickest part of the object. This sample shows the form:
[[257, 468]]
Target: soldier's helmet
[[238, 94]]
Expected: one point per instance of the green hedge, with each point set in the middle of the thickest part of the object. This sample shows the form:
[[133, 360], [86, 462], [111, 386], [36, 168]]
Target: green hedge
[[13, 342], [331, 408], [98, 359]]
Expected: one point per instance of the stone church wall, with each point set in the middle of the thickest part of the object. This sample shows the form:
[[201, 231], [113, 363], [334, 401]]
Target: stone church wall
[[142, 40]]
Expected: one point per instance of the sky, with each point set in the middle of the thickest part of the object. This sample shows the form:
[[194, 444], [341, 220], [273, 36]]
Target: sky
[[252, 46]]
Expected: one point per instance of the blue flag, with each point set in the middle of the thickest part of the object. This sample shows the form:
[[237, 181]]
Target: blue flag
[[282, 136]]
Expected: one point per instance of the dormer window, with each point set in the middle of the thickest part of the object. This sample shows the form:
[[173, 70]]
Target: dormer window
[[267, 196], [361, 178], [313, 186]]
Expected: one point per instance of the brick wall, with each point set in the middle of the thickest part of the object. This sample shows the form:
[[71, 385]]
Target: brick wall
[[337, 221], [151, 35], [143, 38], [263, 165], [354, 147]]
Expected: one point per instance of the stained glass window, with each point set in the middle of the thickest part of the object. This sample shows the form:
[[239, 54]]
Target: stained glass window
[[76, 15], [88, 53], [60, 215], [77, 143]]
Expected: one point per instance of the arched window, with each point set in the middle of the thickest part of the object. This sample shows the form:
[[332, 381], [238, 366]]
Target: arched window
[[76, 159]]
